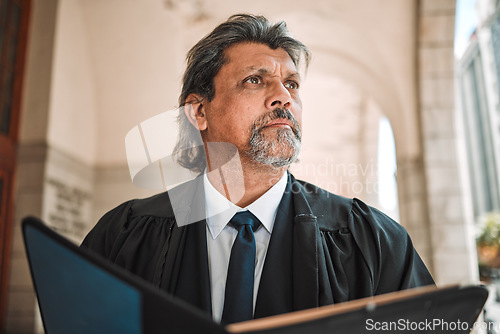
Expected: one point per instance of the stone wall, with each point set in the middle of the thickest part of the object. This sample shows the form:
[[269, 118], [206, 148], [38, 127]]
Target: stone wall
[[58, 189]]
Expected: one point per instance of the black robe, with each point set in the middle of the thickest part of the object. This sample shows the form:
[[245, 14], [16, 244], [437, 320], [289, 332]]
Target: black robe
[[324, 249]]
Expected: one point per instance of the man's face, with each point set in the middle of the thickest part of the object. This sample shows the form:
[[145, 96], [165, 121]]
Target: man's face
[[256, 105]]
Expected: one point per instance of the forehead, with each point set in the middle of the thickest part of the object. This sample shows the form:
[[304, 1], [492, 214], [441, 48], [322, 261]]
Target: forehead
[[255, 56]]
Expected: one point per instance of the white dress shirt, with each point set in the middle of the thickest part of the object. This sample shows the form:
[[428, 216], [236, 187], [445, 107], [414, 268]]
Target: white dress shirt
[[220, 235]]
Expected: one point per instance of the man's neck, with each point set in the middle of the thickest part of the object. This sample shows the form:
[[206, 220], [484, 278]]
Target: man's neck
[[249, 183]]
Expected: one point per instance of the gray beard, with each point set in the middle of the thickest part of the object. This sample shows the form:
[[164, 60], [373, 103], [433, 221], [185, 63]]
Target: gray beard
[[279, 152]]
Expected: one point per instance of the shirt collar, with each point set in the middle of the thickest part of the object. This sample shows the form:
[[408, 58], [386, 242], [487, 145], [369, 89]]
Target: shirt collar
[[220, 210]]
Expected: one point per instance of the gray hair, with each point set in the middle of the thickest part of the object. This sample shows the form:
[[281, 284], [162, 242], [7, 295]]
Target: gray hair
[[206, 58]]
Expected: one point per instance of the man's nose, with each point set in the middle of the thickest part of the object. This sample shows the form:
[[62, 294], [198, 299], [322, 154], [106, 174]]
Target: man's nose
[[279, 96]]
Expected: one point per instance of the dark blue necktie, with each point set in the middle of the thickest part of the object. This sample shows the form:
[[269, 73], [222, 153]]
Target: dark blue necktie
[[238, 300]]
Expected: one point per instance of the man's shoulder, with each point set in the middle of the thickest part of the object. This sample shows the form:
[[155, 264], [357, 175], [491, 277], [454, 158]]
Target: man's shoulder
[[166, 203], [156, 205], [313, 192], [334, 212]]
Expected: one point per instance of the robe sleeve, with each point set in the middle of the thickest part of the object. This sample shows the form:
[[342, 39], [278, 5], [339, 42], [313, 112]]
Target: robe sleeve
[[392, 261], [103, 237], [130, 239]]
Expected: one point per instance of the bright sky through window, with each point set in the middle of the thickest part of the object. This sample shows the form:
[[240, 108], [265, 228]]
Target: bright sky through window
[[387, 188], [465, 23]]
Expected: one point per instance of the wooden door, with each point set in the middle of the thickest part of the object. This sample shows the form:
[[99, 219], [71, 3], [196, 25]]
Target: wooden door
[[14, 16]]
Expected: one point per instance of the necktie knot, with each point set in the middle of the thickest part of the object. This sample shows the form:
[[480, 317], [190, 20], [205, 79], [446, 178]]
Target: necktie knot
[[241, 219]]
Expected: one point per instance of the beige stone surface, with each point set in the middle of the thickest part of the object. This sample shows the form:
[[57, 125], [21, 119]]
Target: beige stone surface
[[437, 92], [452, 267], [437, 29], [437, 6], [440, 151], [452, 241], [436, 61], [438, 122], [73, 113], [36, 97]]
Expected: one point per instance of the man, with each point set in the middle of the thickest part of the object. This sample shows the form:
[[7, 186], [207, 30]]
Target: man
[[308, 247]]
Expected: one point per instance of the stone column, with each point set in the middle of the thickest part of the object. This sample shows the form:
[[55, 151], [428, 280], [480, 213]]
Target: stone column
[[413, 207], [451, 226]]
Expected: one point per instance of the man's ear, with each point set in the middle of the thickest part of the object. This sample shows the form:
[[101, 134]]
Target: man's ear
[[195, 111]]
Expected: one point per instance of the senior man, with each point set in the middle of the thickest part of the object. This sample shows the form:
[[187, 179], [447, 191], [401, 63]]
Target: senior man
[[282, 244]]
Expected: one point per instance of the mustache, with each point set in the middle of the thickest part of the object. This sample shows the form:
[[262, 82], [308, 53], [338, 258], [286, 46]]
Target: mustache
[[277, 113]]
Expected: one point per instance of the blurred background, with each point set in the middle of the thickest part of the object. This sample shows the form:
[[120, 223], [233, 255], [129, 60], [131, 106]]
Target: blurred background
[[401, 109]]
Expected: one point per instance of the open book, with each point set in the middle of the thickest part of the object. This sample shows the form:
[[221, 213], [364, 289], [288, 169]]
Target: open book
[[79, 292]]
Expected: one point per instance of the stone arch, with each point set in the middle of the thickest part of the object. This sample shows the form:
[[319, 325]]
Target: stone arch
[[366, 63], [361, 75]]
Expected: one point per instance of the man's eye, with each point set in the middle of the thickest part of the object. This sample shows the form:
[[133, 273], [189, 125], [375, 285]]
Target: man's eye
[[254, 80], [292, 85]]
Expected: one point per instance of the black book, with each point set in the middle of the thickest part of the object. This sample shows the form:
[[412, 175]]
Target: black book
[[80, 292]]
